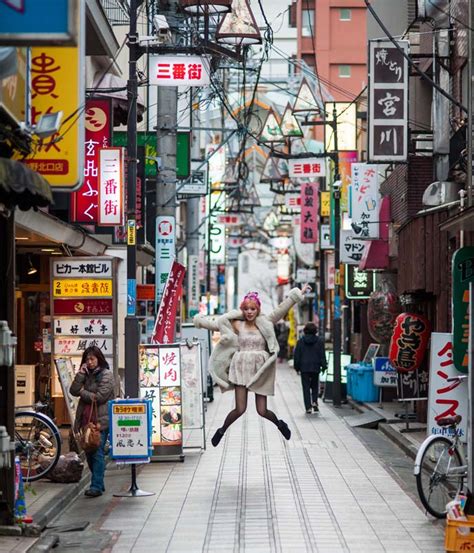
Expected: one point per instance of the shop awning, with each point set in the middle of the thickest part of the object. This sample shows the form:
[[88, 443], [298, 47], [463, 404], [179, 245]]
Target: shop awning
[[376, 251], [22, 187]]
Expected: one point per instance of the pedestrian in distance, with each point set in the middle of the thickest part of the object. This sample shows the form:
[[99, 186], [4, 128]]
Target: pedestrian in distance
[[94, 386], [310, 360], [245, 357]]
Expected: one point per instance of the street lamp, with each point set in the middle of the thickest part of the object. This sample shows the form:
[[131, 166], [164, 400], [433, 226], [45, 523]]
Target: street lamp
[[239, 27]]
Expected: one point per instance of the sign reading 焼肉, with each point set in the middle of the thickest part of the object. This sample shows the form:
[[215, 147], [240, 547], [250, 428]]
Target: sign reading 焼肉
[[160, 382], [388, 101], [130, 430], [445, 399]]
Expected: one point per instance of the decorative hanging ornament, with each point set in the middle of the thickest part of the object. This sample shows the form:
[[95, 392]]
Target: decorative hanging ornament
[[271, 131], [271, 171], [205, 7], [409, 342], [305, 100], [289, 124], [239, 27]]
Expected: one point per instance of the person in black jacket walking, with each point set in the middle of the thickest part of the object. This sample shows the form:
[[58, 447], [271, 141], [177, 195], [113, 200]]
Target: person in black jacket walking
[[310, 360]]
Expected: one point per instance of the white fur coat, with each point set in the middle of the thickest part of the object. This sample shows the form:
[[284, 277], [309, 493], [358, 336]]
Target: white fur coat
[[264, 380]]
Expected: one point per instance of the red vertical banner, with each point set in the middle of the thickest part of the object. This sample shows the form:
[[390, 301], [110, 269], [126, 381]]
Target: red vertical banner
[[309, 212], [98, 123], [163, 333]]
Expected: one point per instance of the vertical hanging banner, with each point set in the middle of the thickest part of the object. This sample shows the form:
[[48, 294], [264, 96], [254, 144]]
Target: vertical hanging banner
[[57, 84], [163, 333], [346, 159], [365, 200], [165, 248], [98, 125], [193, 285], [111, 186], [463, 274], [388, 101], [309, 212]]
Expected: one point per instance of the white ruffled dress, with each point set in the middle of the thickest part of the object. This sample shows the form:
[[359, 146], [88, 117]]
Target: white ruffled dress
[[249, 358]]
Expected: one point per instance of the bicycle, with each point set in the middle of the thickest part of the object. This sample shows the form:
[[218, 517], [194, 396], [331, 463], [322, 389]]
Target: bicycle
[[37, 442], [441, 466]]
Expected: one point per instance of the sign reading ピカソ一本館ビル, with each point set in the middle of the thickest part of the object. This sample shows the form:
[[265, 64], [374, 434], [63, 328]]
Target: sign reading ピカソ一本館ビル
[[463, 274], [82, 269]]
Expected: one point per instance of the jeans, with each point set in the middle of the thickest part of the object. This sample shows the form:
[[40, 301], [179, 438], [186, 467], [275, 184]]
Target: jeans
[[310, 382], [96, 462]]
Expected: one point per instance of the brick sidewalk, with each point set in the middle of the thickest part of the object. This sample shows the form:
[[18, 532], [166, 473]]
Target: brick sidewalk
[[323, 491]]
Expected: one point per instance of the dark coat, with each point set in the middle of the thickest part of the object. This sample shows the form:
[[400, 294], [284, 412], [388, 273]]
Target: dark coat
[[85, 386], [309, 354]]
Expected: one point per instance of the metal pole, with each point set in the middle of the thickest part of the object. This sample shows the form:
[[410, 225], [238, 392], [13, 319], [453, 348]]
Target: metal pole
[[470, 87], [337, 299], [132, 331]]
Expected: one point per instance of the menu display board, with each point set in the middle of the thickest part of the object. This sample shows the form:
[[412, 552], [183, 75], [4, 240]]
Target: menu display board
[[192, 396], [160, 382], [130, 435]]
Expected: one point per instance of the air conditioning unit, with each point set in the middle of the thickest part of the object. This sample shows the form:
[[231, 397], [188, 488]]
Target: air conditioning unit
[[441, 192]]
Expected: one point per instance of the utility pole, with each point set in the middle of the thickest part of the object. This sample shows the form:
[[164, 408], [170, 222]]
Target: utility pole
[[166, 123], [336, 189], [132, 329]]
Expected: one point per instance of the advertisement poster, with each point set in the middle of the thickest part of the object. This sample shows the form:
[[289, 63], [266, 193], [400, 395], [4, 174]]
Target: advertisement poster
[[160, 382], [365, 200], [445, 399], [164, 330], [130, 430]]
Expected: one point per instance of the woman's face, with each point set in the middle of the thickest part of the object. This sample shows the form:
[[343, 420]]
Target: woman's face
[[250, 311], [91, 362]]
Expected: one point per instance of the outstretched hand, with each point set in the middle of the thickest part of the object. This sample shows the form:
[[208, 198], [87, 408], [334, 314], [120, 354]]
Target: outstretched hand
[[306, 288]]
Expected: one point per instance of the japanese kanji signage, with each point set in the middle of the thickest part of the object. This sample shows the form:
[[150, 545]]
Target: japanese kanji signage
[[385, 375], [111, 186], [87, 326], [77, 346], [83, 307], [178, 71], [445, 399], [164, 330], [165, 252], [388, 101], [310, 167], [217, 231], [82, 287], [98, 124], [160, 382], [130, 430], [57, 84], [229, 220], [463, 274], [72, 268], [193, 292], [351, 248], [325, 204], [309, 213], [293, 201], [409, 341], [358, 284], [365, 200]]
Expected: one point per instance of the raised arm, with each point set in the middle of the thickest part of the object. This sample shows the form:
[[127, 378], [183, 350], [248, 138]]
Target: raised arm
[[295, 296], [209, 322]]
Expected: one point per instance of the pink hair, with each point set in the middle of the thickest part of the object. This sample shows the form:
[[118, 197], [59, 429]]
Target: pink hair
[[251, 297]]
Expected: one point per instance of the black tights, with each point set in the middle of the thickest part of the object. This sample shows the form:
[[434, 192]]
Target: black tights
[[241, 395]]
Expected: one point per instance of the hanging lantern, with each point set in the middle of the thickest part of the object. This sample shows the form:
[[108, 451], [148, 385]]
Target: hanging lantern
[[205, 7], [239, 27], [305, 100], [409, 341], [382, 310], [289, 124], [271, 131]]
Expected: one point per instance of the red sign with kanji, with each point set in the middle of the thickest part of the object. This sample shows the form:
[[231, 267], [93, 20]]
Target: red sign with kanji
[[83, 307]]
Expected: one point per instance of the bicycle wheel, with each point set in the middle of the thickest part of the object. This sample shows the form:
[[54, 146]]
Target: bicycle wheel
[[38, 444], [437, 483]]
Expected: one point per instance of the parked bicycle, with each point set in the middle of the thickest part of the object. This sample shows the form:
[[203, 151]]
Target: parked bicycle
[[441, 466], [37, 442]]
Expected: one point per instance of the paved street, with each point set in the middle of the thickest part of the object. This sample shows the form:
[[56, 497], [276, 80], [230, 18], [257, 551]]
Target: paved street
[[321, 492]]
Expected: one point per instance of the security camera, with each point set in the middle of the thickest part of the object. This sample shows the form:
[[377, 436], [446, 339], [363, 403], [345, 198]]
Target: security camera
[[162, 27], [337, 184]]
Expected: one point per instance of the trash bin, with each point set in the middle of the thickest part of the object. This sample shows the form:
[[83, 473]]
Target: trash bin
[[349, 376], [361, 378]]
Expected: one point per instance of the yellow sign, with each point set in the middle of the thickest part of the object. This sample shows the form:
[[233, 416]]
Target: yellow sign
[[72, 287], [325, 204], [130, 409], [57, 84], [131, 233]]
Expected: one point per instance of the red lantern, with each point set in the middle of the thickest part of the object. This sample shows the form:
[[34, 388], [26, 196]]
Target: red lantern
[[409, 341]]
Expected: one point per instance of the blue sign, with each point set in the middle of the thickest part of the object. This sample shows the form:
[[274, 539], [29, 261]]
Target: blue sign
[[131, 297], [33, 22], [130, 422], [384, 373]]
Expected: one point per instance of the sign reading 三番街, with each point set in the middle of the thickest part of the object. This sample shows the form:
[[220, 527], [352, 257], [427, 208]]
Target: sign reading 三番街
[[130, 430], [462, 275], [78, 269], [365, 201], [306, 167], [57, 84], [165, 248], [178, 70], [87, 287], [111, 171], [388, 101]]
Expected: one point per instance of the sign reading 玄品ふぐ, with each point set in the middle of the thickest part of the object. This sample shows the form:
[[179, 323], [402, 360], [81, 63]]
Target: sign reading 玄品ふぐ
[[130, 430]]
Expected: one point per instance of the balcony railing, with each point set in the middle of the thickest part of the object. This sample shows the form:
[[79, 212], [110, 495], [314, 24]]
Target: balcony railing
[[116, 11]]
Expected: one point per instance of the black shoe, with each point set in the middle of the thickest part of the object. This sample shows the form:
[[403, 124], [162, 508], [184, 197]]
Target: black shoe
[[283, 428], [217, 437], [92, 493], [315, 408], [308, 411]]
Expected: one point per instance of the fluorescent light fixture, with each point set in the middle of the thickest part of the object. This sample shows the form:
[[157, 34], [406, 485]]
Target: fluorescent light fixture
[[47, 249], [32, 270]]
